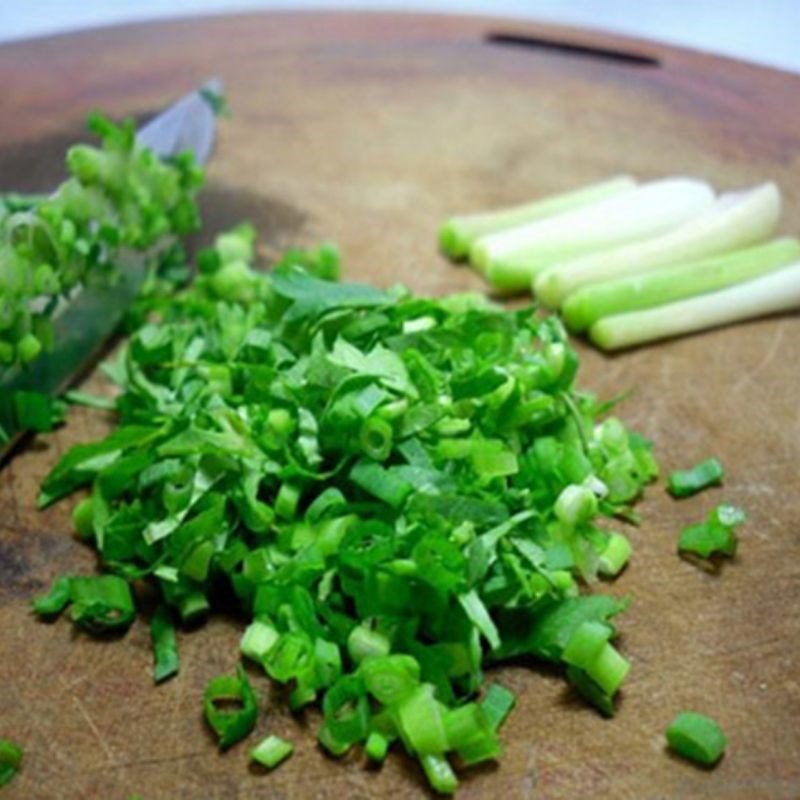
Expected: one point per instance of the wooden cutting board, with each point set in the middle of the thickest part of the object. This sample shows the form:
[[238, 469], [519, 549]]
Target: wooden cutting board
[[368, 130]]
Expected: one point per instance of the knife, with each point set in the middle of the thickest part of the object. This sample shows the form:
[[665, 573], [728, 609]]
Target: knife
[[89, 319]]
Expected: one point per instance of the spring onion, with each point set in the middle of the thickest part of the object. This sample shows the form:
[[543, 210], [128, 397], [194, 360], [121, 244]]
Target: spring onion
[[591, 303], [512, 260], [165, 645], [457, 234], [717, 535], [10, 760], [697, 738], [391, 489], [735, 220], [271, 752], [776, 291], [230, 707], [686, 482]]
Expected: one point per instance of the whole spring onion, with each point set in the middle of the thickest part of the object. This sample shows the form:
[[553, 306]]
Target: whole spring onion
[[697, 738], [511, 260], [651, 289], [776, 291], [735, 220], [457, 234]]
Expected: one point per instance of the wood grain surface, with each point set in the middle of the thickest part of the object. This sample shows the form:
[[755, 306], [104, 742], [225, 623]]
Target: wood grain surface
[[368, 130]]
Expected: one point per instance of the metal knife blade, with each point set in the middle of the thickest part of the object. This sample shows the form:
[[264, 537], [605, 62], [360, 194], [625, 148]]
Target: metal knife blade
[[93, 315]]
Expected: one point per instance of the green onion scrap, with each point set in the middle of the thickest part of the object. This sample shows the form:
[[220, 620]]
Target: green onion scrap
[[715, 536], [10, 760], [697, 738], [686, 482]]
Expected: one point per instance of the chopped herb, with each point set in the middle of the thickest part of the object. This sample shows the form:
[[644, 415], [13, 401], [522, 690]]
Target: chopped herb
[[697, 738], [10, 760], [272, 751], [230, 707], [165, 645], [686, 482], [717, 535]]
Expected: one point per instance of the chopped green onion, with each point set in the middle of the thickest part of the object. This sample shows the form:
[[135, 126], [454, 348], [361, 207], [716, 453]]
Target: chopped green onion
[[376, 747], [346, 710], [10, 760], [230, 707], [614, 555], [697, 738], [165, 645], [497, 704], [101, 604], [271, 752], [376, 438], [686, 482], [717, 535], [390, 679], [586, 643], [56, 600], [363, 642], [258, 639]]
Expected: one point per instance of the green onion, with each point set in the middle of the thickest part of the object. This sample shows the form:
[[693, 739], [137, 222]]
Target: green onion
[[614, 556], [458, 234], [230, 707], [497, 704], [376, 438], [768, 294], [56, 600], [439, 773], [677, 281], [271, 752], [717, 535], [376, 747], [512, 260], [735, 220], [165, 645], [686, 482], [101, 604], [389, 679], [697, 737], [10, 760]]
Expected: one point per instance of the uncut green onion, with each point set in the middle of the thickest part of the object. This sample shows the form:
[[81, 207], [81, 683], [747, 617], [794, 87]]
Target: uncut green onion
[[271, 752], [165, 645], [10, 760], [776, 291], [230, 724], [457, 234], [697, 737], [686, 482], [511, 260], [677, 281], [735, 220]]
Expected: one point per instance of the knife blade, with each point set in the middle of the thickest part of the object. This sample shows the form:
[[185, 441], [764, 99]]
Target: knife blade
[[89, 319]]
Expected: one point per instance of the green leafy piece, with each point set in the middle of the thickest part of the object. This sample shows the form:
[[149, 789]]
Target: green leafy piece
[[686, 482], [56, 600], [10, 760], [271, 752], [230, 707], [497, 704], [717, 535], [165, 645], [101, 604], [697, 738], [392, 490]]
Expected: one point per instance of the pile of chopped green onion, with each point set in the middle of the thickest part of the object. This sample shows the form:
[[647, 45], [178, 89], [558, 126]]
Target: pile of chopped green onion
[[631, 262], [398, 492]]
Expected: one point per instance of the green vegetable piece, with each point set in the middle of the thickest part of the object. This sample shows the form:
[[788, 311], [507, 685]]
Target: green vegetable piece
[[390, 679], [717, 535], [697, 738], [614, 556], [101, 604], [439, 773], [271, 752], [586, 643], [376, 747], [230, 707], [165, 645], [56, 600], [686, 482], [10, 760], [590, 691], [497, 704]]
